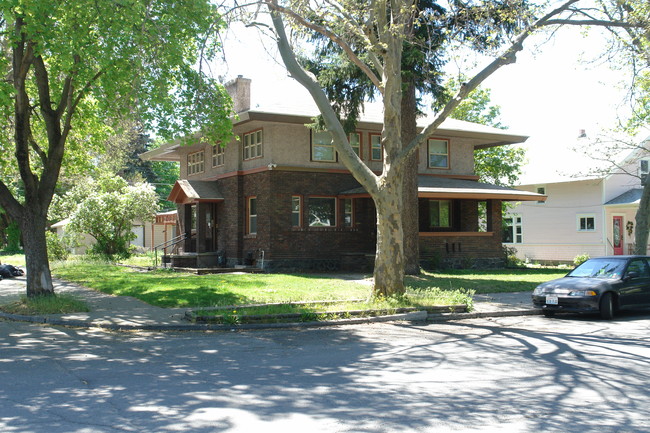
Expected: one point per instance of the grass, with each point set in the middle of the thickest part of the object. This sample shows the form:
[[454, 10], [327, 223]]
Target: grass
[[13, 259], [57, 304], [165, 288]]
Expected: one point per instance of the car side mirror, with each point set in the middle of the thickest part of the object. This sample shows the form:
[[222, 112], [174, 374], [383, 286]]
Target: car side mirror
[[632, 275]]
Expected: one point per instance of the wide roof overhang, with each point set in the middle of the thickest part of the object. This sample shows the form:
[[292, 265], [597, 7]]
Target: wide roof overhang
[[449, 188]]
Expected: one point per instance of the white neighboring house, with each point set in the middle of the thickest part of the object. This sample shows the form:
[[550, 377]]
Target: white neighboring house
[[149, 234], [594, 216]]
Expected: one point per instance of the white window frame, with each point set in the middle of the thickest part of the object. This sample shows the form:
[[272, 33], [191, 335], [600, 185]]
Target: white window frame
[[585, 216], [517, 228], [252, 144], [195, 162], [218, 153]]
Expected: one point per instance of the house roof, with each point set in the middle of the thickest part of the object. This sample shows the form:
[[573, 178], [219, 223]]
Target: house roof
[[194, 191], [450, 188], [630, 197]]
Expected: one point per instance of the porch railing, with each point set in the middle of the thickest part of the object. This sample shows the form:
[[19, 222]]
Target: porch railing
[[167, 244]]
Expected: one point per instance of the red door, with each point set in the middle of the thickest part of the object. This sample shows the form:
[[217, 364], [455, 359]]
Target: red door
[[617, 235]]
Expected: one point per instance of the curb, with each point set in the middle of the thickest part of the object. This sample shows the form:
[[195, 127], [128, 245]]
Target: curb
[[418, 316]]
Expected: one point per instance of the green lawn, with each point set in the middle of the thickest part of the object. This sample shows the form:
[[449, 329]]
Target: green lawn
[[171, 289]]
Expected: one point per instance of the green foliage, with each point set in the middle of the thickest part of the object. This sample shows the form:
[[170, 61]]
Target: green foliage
[[512, 261], [580, 259], [13, 238], [56, 249], [106, 208]]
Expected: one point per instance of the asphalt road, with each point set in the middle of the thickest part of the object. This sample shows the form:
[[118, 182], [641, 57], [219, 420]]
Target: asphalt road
[[520, 374]]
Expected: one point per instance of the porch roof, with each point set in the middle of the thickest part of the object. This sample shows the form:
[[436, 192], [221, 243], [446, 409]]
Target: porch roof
[[630, 197], [194, 191], [450, 188]]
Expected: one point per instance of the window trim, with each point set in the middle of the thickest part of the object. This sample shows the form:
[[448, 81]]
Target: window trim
[[381, 147], [196, 166], [448, 154], [300, 211], [514, 224], [258, 146], [218, 154], [249, 216], [585, 216], [335, 213]]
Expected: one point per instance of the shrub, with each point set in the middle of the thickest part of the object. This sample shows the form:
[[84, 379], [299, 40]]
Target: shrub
[[580, 259], [56, 248]]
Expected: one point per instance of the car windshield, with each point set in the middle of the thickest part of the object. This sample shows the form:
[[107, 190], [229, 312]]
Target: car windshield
[[599, 268]]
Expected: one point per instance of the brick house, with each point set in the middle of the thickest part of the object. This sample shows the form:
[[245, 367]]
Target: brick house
[[279, 198]]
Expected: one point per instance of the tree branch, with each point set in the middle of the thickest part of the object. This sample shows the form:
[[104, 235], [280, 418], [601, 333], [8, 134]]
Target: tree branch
[[273, 5], [508, 57], [359, 170]]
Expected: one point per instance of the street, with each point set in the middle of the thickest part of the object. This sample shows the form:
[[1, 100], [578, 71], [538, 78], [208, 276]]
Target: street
[[517, 374]]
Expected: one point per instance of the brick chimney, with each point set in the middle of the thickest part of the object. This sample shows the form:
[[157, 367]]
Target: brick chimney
[[239, 90]]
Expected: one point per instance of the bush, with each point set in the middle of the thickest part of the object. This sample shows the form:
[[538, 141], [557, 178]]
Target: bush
[[13, 238], [56, 248], [580, 259], [512, 261]]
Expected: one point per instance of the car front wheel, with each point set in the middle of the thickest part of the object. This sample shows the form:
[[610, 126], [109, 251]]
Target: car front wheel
[[607, 306]]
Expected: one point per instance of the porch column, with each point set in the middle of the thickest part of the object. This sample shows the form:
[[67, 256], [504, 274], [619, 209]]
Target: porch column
[[187, 226], [201, 226]]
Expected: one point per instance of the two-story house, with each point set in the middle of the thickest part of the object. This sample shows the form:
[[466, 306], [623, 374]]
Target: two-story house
[[594, 216], [279, 196]]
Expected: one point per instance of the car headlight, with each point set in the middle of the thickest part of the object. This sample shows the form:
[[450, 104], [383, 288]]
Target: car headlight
[[538, 291], [582, 293]]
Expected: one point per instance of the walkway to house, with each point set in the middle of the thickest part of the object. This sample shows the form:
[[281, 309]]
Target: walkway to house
[[127, 313]]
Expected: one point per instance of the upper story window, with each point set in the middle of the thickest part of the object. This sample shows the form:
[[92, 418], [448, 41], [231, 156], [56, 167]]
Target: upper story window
[[438, 151], [644, 169], [322, 148], [541, 190], [355, 142], [195, 162], [253, 144], [376, 153], [217, 155]]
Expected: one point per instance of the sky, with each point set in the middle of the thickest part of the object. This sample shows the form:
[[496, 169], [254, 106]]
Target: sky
[[556, 88]]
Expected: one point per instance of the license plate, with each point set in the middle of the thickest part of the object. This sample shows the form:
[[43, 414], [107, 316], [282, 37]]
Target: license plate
[[551, 300]]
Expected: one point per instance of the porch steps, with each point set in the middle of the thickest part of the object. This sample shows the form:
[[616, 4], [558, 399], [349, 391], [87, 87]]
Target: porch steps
[[205, 271]]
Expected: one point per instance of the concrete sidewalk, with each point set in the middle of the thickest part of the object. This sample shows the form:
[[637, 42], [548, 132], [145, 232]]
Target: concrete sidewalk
[[127, 313]]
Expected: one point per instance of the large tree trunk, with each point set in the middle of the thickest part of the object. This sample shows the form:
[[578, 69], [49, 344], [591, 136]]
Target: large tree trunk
[[643, 220], [410, 214], [389, 259], [39, 279]]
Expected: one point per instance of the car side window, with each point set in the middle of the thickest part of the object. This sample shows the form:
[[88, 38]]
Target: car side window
[[640, 266]]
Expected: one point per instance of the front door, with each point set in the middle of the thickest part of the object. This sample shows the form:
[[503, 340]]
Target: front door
[[617, 235]]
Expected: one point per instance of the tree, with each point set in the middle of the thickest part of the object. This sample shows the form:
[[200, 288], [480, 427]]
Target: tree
[[499, 165], [106, 209], [381, 29], [71, 67], [426, 41]]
